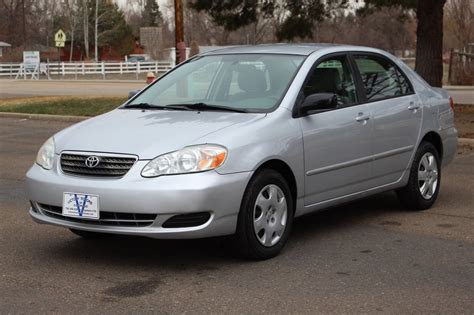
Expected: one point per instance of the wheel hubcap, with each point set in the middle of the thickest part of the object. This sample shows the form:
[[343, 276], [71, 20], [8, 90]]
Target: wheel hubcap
[[270, 215], [428, 175]]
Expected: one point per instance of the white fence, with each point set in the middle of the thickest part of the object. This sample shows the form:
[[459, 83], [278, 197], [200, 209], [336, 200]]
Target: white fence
[[75, 69], [20, 70]]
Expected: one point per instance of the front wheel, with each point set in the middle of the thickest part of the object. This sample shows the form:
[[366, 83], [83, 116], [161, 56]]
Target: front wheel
[[425, 177], [265, 217]]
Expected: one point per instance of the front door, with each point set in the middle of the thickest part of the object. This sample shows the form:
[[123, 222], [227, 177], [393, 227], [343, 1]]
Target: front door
[[336, 142]]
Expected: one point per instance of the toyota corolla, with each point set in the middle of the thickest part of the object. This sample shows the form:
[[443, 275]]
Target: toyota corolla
[[242, 140]]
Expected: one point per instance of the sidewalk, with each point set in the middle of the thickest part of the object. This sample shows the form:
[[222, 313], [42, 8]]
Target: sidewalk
[[459, 87]]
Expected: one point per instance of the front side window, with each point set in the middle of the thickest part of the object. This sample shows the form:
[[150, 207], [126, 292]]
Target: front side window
[[250, 82], [381, 79], [333, 76]]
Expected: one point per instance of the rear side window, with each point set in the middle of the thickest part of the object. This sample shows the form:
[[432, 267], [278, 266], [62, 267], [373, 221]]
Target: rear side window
[[381, 78]]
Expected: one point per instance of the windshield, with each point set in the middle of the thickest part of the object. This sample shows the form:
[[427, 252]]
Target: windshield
[[247, 82]]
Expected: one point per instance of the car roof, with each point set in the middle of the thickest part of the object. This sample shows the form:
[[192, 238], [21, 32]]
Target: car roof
[[303, 49]]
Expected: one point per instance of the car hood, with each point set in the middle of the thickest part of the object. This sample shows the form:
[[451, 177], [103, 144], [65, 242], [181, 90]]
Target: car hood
[[147, 134]]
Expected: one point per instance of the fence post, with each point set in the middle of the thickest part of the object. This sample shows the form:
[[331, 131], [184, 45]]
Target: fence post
[[103, 70], [121, 68], [62, 69], [138, 68], [451, 54]]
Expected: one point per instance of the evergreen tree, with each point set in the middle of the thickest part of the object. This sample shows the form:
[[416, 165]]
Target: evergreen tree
[[151, 14]]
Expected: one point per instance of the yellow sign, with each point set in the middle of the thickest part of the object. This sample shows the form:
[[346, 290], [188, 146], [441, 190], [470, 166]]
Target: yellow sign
[[60, 36]]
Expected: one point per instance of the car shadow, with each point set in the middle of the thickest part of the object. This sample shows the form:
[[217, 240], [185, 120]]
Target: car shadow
[[209, 254], [346, 215]]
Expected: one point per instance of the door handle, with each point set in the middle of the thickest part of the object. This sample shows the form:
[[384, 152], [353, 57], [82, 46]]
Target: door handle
[[413, 106], [362, 117]]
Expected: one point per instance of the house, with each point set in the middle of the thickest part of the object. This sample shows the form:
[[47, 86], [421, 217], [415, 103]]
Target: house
[[2, 46], [170, 53]]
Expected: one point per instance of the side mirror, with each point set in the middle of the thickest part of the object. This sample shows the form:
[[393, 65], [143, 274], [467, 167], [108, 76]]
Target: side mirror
[[318, 102], [132, 93]]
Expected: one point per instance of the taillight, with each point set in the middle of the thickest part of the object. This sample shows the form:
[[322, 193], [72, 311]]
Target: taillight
[[451, 103]]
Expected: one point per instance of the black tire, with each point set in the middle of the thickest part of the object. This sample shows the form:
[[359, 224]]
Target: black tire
[[245, 240], [88, 235], [410, 195]]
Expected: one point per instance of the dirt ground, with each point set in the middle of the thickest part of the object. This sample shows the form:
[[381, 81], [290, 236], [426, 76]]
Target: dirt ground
[[464, 120]]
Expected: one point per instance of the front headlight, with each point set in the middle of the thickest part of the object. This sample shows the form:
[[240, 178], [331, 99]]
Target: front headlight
[[191, 159], [45, 157]]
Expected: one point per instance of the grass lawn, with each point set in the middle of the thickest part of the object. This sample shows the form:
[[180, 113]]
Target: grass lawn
[[75, 106]]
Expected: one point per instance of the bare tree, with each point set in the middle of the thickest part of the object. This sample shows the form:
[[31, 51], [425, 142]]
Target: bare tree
[[72, 12], [460, 18]]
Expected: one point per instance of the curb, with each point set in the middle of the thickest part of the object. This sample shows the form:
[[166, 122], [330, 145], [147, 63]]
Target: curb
[[466, 141], [44, 117], [138, 81], [459, 87]]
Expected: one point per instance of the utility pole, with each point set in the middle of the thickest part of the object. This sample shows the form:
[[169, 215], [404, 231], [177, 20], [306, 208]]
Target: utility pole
[[179, 32], [96, 27]]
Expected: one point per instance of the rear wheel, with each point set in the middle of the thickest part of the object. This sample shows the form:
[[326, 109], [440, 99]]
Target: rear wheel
[[88, 234], [425, 177], [265, 217]]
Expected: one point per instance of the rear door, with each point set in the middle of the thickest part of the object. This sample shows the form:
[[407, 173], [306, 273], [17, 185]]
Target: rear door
[[336, 142], [396, 116]]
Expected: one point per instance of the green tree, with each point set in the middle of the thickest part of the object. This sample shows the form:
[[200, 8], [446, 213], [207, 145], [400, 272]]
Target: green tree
[[234, 14], [429, 34], [303, 15], [151, 14], [298, 19]]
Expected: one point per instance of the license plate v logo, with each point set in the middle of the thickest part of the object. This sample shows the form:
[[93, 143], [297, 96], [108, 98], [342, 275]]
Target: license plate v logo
[[80, 210]]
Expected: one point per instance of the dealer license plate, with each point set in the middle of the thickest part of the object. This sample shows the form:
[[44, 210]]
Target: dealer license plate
[[83, 206]]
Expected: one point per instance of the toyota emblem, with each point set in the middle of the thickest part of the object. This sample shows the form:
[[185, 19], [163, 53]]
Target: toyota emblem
[[92, 161]]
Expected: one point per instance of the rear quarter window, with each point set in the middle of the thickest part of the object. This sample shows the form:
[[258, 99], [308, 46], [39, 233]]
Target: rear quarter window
[[381, 78]]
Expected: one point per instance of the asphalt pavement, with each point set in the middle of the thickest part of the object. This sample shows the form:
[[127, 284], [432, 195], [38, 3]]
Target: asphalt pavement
[[369, 256], [28, 88]]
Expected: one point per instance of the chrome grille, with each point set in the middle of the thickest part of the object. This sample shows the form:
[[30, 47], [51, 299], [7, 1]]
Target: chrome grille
[[106, 218], [108, 166]]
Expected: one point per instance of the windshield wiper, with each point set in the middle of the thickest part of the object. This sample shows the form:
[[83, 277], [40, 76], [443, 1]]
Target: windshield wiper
[[204, 106], [150, 106]]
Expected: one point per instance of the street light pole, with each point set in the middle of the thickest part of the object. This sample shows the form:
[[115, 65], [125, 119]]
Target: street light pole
[[179, 32]]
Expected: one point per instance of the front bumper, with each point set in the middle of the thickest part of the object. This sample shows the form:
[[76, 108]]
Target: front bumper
[[166, 196]]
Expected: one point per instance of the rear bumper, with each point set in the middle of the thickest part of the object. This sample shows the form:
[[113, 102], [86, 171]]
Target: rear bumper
[[165, 196], [450, 144]]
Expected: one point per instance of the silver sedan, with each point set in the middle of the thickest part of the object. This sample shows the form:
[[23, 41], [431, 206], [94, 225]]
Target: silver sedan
[[242, 140]]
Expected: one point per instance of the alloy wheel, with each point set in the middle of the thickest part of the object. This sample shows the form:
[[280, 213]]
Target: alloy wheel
[[428, 175]]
